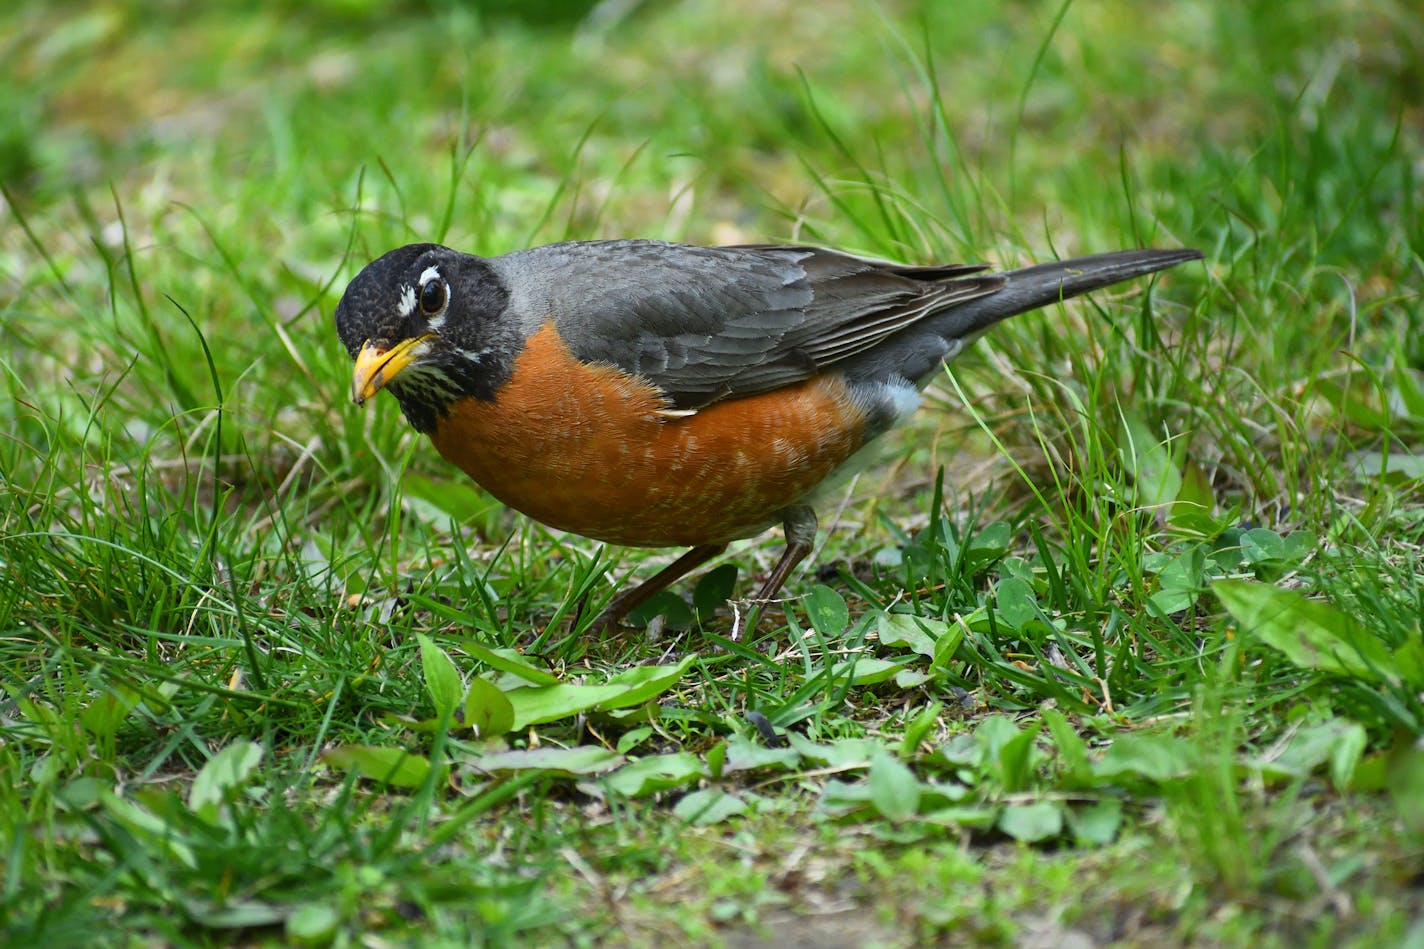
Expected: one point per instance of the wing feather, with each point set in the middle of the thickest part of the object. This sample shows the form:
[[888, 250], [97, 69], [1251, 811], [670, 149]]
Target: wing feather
[[708, 323]]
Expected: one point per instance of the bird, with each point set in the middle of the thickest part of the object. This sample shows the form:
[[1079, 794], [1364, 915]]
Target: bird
[[653, 394]]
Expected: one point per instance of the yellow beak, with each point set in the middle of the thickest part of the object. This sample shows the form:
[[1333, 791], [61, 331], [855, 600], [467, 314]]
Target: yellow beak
[[376, 368]]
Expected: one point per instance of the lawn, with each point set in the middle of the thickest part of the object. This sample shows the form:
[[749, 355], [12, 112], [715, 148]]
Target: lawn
[[1119, 643]]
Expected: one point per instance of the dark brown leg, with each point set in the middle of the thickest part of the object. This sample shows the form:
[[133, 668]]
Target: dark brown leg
[[800, 527], [625, 602]]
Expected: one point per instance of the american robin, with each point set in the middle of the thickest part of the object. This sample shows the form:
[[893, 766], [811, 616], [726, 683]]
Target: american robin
[[652, 394]]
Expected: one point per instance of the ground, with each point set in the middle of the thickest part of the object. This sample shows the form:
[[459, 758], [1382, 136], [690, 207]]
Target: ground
[[1118, 644]]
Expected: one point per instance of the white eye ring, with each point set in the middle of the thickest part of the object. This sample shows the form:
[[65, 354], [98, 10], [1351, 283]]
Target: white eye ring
[[433, 296]]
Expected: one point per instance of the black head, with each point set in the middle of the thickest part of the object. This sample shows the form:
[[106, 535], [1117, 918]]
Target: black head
[[428, 323]]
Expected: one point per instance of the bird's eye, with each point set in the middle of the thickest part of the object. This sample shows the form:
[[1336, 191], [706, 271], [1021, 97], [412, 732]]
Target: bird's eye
[[433, 296]]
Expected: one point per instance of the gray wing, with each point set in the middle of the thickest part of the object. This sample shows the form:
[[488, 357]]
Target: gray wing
[[707, 323]]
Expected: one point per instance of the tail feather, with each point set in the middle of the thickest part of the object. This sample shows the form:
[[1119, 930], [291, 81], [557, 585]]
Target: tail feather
[[1042, 284], [917, 352]]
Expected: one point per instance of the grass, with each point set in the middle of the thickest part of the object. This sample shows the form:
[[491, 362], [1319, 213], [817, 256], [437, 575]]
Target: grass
[[1121, 641]]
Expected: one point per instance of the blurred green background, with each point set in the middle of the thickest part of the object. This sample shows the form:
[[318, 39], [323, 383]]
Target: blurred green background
[[202, 543], [279, 146]]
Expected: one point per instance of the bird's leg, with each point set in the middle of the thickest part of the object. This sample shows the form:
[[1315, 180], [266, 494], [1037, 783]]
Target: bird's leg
[[624, 603], [799, 525]]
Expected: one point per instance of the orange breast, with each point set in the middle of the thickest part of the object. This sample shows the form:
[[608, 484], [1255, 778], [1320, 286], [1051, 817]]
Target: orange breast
[[584, 449]]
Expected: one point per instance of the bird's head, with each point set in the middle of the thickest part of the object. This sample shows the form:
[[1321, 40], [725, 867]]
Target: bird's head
[[427, 323]]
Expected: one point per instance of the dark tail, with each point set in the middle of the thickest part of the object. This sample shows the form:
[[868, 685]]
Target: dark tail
[[1032, 287], [917, 352]]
